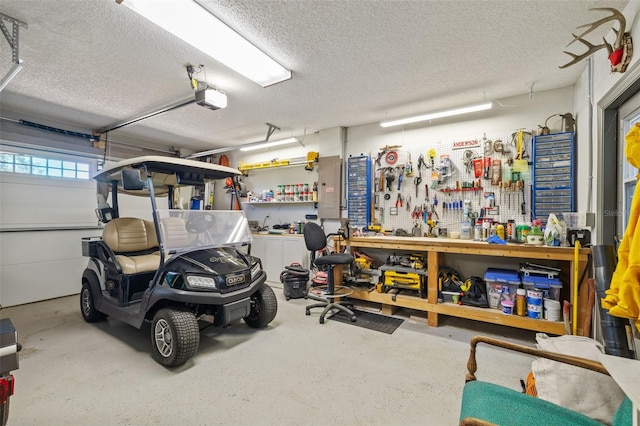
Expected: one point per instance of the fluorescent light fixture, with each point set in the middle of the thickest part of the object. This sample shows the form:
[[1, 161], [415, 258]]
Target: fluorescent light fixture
[[15, 69], [441, 114], [192, 23], [248, 147], [261, 145]]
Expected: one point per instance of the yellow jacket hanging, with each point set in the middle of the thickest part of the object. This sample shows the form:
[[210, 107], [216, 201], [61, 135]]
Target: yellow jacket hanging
[[623, 296]]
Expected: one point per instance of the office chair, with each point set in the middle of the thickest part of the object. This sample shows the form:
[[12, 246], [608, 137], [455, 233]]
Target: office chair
[[315, 240]]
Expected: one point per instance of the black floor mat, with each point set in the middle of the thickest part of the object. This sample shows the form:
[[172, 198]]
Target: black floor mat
[[369, 320]]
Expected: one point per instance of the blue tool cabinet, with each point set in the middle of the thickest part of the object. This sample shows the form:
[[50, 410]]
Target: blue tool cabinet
[[359, 191], [553, 177]]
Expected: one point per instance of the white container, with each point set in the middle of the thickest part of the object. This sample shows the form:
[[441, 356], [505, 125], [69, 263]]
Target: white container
[[465, 231], [551, 310]]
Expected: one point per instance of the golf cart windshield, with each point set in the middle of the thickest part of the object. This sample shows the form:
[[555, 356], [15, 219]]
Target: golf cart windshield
[[189, 230]]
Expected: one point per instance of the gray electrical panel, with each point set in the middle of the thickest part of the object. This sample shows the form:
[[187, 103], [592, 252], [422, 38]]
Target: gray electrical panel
[[329, 187]]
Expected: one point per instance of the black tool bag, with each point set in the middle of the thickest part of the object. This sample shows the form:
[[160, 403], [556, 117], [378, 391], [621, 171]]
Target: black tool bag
[[476, 293], [294, 279]]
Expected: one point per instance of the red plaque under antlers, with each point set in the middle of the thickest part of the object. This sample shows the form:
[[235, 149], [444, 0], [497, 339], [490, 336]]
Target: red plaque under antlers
[[619, 53]]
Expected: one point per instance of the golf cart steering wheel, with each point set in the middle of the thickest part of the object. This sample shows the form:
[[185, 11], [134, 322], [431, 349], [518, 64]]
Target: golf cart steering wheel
[[200, 223]]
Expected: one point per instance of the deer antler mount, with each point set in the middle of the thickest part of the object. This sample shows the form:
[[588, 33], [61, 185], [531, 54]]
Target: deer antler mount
[[620, 52]]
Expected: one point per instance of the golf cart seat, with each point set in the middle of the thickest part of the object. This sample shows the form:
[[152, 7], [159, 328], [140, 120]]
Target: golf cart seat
[[134, 243]]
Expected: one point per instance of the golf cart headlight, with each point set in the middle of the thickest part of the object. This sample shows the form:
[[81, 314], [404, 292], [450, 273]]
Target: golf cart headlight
[[201, 282], [255, 271]]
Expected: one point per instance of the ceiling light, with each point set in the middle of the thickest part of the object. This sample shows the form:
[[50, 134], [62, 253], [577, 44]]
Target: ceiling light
[[192, 23], [260, 145], [247, 147], [15, 69], [433, 115]]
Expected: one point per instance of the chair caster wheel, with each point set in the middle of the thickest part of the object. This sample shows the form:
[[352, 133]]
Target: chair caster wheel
[[353, 318], [307, 312], [321, 320]]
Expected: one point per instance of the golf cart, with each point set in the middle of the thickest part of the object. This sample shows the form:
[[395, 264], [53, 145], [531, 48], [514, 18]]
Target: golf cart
[[183, 269]]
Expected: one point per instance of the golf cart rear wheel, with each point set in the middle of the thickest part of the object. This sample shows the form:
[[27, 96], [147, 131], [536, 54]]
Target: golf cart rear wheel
[[174, 336], [87, 305], [264, 306]]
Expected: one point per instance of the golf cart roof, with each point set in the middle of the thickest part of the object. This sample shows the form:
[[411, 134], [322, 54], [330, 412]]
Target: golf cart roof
[[168, 171]]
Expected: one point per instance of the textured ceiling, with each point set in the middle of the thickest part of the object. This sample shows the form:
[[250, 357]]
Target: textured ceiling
[[93, 63]]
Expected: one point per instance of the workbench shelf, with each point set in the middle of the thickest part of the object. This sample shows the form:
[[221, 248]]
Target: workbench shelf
[[436, 248], [277, 203]]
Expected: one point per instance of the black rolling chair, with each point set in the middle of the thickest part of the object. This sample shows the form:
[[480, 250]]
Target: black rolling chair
[[315, 239]]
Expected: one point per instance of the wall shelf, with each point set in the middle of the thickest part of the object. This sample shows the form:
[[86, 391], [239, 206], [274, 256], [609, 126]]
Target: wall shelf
[[310, 161]]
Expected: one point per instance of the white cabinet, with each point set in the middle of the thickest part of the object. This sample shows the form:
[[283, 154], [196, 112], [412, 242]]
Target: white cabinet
[[277, 251]]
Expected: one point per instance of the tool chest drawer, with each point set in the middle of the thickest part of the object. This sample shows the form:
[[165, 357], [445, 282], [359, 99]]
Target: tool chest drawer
[[359, 191], [553, 175]]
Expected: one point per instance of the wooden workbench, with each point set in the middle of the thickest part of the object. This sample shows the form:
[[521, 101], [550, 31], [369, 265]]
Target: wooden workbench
[[434, 250]]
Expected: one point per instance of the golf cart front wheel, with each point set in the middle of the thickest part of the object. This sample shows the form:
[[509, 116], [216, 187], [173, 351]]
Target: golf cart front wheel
[[174, 336], [87, 305], [264, 306]]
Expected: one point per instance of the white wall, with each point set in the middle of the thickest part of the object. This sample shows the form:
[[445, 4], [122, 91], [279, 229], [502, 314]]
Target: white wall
[[506, 117], [603, 82]]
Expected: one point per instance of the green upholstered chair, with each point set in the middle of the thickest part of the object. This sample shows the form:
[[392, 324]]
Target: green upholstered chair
[[487, 403]]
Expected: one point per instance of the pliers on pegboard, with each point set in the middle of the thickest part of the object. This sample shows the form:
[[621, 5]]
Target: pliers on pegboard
[[421, 163], [417, 212], [434, 212], [399, 200]]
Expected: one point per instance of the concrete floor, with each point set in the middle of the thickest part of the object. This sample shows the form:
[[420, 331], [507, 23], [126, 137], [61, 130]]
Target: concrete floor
[[295, 372]]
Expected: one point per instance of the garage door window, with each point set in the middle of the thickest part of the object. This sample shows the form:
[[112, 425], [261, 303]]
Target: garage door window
[[42, 166]]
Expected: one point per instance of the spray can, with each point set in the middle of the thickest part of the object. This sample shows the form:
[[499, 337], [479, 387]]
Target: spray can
[[511, 229], [500, 231], [486, 228]]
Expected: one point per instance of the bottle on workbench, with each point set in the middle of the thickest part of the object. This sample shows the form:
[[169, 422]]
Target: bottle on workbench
[[315, 192], [500, 231], [465, 231], [477, 231]]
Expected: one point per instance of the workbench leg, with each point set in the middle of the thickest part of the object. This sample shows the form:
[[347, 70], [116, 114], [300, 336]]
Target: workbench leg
[[583, 299], [433, 265], [432, 319], [388, 309]]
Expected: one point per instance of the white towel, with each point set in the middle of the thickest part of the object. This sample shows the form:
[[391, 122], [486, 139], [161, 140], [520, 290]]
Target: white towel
[[592, 394]]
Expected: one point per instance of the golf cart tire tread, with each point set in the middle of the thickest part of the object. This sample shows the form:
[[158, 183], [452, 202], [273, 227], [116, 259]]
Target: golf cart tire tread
[[186, 335], [93, 315], [267, 309]]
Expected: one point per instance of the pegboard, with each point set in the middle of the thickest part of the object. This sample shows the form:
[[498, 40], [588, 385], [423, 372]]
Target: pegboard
[[450, 178]]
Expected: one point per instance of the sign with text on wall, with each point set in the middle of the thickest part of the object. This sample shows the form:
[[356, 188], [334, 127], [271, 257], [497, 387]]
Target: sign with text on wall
[[473, 143]]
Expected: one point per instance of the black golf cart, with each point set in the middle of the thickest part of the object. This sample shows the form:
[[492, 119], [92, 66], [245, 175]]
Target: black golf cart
[[183, 269]]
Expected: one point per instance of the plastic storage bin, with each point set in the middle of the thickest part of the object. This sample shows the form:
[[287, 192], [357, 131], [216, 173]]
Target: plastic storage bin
[[551, 287], [501, 285]]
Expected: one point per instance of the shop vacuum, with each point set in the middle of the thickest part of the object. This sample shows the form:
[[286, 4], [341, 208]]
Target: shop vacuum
[[616, 331], [294, 279]]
